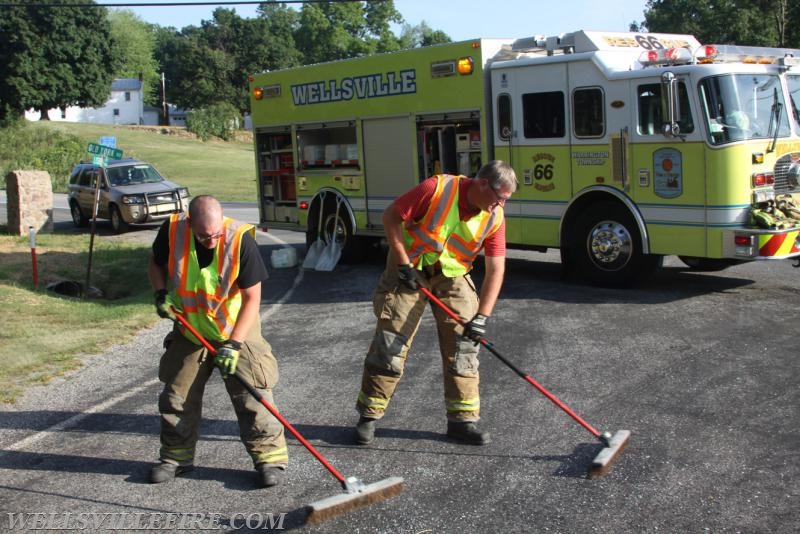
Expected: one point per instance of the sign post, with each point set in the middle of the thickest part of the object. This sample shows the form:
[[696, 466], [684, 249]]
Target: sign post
[[101, 154]]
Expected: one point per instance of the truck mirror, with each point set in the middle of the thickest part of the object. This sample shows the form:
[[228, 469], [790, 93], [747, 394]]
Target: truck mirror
[[670, 104]]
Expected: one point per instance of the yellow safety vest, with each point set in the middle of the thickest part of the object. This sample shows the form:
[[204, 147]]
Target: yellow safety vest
[[441, 236], [210, 297]]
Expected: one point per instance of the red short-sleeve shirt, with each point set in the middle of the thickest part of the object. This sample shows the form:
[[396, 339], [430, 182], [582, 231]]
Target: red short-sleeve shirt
[[413, 205]]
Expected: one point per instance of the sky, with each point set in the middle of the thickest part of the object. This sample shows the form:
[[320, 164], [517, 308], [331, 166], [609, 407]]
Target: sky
[[460, 19]]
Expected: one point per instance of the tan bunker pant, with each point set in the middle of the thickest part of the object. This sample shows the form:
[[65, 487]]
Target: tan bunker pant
[[185, 368], [399, 311]]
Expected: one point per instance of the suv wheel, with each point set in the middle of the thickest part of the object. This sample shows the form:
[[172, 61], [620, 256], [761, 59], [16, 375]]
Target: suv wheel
[[78, 218], [118, 224]]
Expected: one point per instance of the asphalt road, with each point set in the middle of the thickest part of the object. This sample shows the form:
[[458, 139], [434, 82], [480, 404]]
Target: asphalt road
[[701, 368]]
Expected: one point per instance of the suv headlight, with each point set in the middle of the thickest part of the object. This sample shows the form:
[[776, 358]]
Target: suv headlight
[[183, 192], [132, 199]]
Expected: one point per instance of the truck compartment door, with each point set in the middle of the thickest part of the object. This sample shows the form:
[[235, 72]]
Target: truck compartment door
[[388, 162]]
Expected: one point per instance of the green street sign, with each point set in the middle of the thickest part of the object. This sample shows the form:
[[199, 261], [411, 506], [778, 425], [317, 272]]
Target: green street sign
[[107, 151]]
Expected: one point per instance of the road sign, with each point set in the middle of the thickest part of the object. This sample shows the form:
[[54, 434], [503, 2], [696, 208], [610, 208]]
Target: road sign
[[100, 161], [109, 141], [102, 150]]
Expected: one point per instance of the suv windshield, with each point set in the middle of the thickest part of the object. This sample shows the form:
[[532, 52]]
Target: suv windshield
[[744, 106], [133, 174]]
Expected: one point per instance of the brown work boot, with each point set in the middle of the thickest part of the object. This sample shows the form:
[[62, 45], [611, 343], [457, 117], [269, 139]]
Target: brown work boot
[[166, 471], [466, 432], [365, 431], [269, 475]]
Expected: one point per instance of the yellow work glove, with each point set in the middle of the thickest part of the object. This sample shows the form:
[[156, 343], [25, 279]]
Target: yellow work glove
[[164, 304], [227, 357]]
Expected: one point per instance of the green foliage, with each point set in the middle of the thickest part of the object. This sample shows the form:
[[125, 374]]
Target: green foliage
[[134, 47], [338, 30], [217, 120], [23, 147], [421, 35], [53, 58], [743, 22]]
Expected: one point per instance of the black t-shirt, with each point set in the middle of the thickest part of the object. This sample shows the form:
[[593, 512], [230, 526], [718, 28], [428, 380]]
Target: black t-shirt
[[251, 271]]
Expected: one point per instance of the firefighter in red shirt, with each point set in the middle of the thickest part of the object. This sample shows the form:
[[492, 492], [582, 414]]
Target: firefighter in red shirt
[[434, 232]]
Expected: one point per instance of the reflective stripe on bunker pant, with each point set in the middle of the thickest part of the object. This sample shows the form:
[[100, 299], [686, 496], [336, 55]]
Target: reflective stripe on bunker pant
[[399, 311], [185, 369]]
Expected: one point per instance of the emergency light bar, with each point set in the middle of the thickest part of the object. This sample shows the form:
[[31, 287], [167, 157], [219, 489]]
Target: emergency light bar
[[751, 55], [665, 56]]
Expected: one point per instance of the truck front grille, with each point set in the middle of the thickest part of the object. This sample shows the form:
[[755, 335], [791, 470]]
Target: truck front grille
[[787, 173]]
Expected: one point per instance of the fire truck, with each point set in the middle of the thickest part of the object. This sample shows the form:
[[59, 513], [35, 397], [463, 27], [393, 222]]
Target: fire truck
[[627, 146]]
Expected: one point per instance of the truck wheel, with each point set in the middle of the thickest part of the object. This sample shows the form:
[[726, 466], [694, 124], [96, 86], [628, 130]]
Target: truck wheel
[[342, 233], [118, 224], [78, 218], [606, 246]]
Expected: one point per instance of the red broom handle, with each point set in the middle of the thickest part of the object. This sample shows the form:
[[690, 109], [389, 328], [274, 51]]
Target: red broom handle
[[255, 393], [490, 346]]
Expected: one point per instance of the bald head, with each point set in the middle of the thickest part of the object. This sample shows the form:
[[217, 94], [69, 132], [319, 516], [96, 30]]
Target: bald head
[[205, 218], [203, 208]]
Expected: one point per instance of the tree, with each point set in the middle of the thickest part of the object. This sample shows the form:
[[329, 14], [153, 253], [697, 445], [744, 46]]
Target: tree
[[338, 30], [134, 50], [210, 64], [421, 35], [54, 57], [744, 22]]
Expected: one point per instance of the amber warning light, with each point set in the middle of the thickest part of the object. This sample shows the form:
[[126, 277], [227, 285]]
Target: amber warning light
[[465, 65]]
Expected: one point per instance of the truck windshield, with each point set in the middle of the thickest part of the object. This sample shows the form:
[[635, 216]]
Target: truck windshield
[[794, 94], [738, 107]]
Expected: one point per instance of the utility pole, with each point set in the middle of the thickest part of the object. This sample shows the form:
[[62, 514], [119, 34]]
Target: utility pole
[[164, 112]]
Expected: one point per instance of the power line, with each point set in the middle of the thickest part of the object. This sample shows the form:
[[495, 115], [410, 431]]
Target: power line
[[175, 4]]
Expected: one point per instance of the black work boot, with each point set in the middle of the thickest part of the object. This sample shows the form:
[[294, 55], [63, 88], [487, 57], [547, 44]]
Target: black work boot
[[269, 475], [166, 471], [467, 432], [365, 431]]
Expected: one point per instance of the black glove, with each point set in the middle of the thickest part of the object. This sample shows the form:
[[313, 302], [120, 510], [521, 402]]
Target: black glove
[[476, 328], [408, 276], [164, 304]]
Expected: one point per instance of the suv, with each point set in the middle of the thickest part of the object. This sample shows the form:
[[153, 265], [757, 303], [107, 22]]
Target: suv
[[131, 192]]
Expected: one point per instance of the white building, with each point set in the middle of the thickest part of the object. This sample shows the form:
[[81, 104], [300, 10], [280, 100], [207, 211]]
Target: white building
[[125, 106]]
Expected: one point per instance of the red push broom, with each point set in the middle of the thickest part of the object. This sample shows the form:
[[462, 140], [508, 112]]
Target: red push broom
[[357, 493], [613, 445]]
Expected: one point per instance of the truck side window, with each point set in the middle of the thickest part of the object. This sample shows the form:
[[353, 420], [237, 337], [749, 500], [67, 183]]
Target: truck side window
[[504, 127], [543, 115], [587, 110], [651, 120]]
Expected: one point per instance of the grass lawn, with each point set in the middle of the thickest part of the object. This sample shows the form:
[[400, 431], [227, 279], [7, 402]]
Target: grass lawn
[[226, 170]]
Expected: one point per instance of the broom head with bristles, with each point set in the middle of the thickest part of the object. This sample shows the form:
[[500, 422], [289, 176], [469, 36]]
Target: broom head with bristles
[[325, 509], [602, 462]]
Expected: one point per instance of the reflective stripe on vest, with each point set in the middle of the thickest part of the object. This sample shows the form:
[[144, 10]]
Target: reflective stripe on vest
[[209, 297], [441, 236]]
